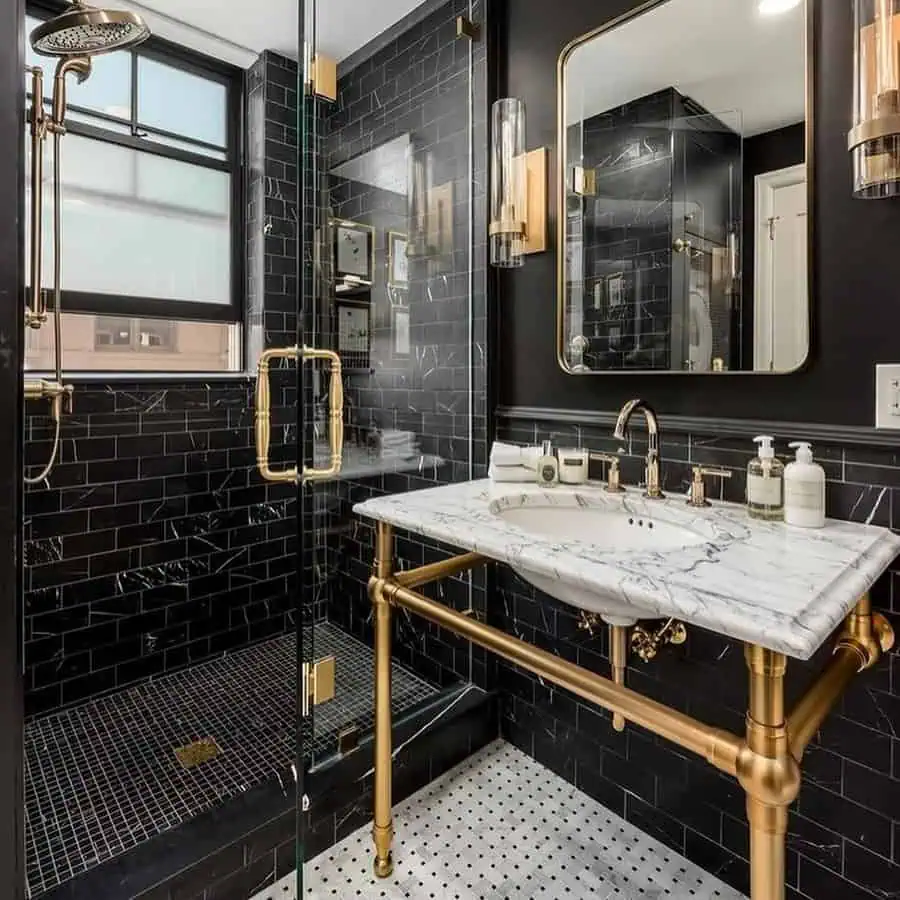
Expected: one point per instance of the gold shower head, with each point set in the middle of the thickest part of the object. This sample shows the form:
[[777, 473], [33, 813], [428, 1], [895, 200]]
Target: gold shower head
[[86, 31]]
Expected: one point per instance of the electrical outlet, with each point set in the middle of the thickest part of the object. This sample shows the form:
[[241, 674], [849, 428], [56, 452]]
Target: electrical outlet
[[887, 396]]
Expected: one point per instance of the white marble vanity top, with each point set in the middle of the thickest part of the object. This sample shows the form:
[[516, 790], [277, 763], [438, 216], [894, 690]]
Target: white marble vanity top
[[765, 583]]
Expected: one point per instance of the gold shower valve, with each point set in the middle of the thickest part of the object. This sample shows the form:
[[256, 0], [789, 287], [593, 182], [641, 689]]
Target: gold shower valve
[[60, 395]]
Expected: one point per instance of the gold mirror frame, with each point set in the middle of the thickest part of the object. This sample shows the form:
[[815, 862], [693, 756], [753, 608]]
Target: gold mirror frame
[[561, 195]]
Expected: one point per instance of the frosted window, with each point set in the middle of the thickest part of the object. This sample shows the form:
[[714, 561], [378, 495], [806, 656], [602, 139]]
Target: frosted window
[[182, 103], [139, 225]]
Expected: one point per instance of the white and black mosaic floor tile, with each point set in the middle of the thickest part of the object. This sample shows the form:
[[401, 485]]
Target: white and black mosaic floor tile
[[502, 826]]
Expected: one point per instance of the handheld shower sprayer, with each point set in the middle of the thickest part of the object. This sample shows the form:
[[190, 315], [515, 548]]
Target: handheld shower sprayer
[[75, 37]]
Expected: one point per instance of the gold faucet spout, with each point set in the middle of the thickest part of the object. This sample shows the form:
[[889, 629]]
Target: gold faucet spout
[[652, 471]]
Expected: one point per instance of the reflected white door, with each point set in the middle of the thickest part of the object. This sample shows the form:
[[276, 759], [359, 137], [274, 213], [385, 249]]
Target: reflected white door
[[781, 304]]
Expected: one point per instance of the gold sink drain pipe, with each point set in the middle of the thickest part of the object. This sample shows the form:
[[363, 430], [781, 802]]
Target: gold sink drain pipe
[[765, 760]]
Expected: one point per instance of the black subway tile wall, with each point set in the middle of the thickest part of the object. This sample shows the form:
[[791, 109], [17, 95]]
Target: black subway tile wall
[[154, 544], [844, 828], [413, 92]]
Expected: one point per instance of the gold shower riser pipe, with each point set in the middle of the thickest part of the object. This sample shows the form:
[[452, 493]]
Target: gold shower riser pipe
[[718, 747]]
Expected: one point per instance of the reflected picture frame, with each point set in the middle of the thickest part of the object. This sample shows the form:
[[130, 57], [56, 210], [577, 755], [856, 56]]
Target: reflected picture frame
[[398, 260], [354, 252]]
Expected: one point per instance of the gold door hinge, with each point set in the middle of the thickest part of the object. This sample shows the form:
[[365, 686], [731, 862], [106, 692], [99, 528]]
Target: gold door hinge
[[584, 182], [467, 29], [318, 683], [348, 740]]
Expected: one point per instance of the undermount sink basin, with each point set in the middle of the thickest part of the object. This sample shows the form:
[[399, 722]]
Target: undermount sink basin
[[610, 530], [616, 525]]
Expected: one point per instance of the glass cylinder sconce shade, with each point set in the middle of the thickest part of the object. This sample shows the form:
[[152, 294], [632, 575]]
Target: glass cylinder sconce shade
[[874, 141], [508, 184]]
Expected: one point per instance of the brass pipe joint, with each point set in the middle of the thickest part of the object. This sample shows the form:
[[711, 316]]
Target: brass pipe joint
[[770, 780], [647, 642], [868, 634]]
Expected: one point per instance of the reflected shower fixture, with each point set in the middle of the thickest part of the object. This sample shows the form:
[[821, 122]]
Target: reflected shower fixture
[[74, 37], [518, 189], [874, 141]]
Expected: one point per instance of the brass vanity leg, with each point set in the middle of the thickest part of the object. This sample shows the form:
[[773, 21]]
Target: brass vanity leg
[[383, 828], [768, 773], [618, 658]]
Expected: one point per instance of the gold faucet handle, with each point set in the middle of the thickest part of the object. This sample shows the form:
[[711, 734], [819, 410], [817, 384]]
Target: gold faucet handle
[[613, 475], [698, 487]]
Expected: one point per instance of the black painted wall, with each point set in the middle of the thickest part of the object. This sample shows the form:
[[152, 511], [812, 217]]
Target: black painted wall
[[12, 279], [854, 265], [844, 831], [154, 544]]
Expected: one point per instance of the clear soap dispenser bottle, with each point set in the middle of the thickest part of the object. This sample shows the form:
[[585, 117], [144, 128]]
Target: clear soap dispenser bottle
[[765, 483]]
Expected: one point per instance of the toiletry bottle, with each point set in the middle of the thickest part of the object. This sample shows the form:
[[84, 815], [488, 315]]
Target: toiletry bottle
[[548, 466], [765, 483], [804, 489]]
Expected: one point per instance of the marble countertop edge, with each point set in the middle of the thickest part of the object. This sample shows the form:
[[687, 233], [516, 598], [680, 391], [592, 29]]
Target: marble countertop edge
[[815, 577]]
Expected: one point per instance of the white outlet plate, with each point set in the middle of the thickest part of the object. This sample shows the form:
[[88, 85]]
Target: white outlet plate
[[887, 396]]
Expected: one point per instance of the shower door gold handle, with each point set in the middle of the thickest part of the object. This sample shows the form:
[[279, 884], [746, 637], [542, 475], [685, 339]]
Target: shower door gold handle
[[264, 416]]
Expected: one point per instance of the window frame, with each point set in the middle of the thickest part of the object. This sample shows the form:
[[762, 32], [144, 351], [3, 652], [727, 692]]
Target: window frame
[[232, 78]]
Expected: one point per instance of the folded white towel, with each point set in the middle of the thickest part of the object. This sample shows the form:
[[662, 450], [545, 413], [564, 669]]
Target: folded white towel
[[511, 455], [512, 474]]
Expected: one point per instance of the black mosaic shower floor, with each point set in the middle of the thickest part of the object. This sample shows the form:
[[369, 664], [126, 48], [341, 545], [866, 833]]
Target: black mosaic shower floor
[[103, 777]]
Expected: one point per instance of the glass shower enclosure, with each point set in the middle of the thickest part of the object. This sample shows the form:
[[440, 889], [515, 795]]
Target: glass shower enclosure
[[385, 392]]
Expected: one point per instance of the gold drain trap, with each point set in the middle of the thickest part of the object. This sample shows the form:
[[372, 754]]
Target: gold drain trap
[[197, 753]]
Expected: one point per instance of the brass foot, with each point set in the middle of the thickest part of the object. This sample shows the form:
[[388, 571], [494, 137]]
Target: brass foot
[[384, 868]]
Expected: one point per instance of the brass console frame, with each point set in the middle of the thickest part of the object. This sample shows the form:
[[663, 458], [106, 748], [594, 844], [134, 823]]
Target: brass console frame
[[765, 760]]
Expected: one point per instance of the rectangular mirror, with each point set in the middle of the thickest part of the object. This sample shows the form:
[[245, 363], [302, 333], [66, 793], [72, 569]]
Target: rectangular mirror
[[684, 190]]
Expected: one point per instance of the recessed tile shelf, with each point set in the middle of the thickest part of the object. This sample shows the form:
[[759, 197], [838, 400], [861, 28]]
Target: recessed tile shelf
[[502, 826]]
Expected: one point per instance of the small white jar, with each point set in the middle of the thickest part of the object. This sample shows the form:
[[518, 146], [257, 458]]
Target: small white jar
[[573, 466]]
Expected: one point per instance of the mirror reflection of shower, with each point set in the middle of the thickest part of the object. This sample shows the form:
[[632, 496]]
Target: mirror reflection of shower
[[73, 37]]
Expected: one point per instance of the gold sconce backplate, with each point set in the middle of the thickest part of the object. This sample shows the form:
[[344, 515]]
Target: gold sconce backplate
[[536, 186]]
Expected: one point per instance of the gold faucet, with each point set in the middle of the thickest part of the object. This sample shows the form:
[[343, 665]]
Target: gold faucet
[[652, 471]]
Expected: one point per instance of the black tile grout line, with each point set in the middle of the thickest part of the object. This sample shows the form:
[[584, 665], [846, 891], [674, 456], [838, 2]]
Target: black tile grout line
[[102, 777]]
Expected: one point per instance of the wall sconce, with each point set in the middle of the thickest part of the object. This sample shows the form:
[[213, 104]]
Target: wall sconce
[[518, 189], [874, 141]]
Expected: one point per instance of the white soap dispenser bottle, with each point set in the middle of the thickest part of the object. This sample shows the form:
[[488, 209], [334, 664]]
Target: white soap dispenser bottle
[[765, 483], [804, 489]]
